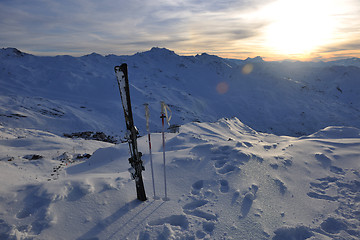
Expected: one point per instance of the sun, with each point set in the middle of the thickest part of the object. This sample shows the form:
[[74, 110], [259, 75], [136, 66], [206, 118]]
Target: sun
[[298, 27]]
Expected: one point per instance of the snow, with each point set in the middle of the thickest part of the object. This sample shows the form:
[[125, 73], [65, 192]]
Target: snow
[[274, 157]]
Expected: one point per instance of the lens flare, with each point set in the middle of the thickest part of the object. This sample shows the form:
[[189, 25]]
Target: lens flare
[[222, 87], [247, 69]]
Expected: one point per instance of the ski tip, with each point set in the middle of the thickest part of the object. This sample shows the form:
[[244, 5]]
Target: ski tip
[[121, 68], [117, 69]]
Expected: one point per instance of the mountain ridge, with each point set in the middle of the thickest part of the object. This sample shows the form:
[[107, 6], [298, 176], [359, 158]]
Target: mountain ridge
[[285, 98]]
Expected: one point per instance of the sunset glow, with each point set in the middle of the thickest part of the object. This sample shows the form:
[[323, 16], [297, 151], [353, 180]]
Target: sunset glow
[[300, 27], [275, 30]]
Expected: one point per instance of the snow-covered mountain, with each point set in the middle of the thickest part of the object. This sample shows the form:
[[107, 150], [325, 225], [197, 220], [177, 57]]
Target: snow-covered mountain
[[266, 150], [63, 93]]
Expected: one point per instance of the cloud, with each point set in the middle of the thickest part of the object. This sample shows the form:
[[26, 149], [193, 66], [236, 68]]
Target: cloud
[[349, 48], [86, 26], [126, 27]]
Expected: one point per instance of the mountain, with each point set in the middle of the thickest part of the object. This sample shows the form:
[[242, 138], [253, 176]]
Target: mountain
[[347, 62], [65, 93], [264, 150]]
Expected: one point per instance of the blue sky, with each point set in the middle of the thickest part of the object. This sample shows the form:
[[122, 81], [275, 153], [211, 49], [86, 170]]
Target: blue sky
[[274, 29]]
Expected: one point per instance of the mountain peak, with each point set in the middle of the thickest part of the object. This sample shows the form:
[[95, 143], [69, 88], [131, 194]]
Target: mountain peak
[[94, 54], [208, 56], [161, 51], [12, 52], [157, 52], [257, 59]]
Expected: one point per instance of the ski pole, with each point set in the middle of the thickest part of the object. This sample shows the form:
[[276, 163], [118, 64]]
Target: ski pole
[[147, 115], [164, 115], [163, 142]]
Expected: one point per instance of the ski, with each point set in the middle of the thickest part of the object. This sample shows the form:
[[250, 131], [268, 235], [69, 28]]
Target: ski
[[135, 161]]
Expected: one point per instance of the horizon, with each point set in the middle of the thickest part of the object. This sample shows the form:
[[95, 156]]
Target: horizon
[[181, 55], [306, 30]]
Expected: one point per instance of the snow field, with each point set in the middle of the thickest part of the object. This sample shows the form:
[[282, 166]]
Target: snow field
[[224, 180]]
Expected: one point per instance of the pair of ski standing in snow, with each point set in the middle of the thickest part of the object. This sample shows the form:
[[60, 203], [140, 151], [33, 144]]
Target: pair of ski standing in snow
[[131, 136]]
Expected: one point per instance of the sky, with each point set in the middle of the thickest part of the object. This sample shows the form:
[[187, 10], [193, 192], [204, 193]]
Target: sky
[[273, 29]]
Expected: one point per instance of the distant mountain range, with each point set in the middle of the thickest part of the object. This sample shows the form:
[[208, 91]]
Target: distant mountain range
[[65, 94]]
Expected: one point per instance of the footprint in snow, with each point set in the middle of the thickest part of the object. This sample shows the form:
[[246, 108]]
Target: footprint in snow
[[333, 226], [224, 186], [324, 160], [195, 204], [35, 207], [248, 199], [208, 227], [220, 163], [298, 232], [197, 186], [268, 147], [247, 203], [281, 185], [321, 186], [197, 210], [337, 170], [174, 220], [202, 214], [192, 208], [228, 168], [205, 233], [337, 188], [235, 197], [203, 189]]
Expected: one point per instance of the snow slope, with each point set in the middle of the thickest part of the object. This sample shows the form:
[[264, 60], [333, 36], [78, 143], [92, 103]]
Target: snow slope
[[278, 170], [226, 181]]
